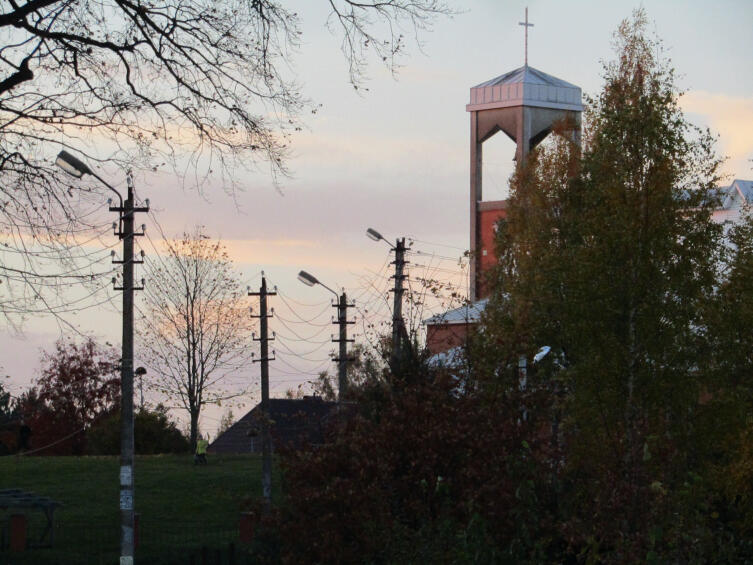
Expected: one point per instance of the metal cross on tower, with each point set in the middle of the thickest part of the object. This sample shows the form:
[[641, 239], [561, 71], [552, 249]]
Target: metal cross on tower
[[526, 25]]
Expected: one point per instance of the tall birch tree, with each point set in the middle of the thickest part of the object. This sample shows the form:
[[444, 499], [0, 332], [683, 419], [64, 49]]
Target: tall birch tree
[[609, 256]]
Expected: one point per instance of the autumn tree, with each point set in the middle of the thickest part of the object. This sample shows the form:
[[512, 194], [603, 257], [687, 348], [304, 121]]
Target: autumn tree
[[195, 329], [203, 85], [728, 398], [420, 475], [609, 256], [77, 388], [364, 368]]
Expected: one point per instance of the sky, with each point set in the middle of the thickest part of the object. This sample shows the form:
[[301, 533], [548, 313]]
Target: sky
[[396, 158]]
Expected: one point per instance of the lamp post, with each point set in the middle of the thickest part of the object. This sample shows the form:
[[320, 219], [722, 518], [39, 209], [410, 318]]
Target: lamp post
[[523, 371], [126, 210], [398, 324], [342, 321]]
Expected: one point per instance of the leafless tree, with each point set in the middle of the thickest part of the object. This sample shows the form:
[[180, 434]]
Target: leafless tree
[[195, 327], [204, 85]]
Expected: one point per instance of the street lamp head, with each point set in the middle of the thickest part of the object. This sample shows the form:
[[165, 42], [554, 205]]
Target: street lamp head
[[541, 353], [373, 234], [307, 279], [71, 165], [140, 371]]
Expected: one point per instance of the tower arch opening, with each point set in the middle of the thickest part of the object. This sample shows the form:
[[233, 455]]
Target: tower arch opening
[[524, 104], [498, 165]]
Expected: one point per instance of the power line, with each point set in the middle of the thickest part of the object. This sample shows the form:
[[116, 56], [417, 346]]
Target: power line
[[309, 323], [292, 310], [302, 355], [304, 304], [301, 338], [413, 239]]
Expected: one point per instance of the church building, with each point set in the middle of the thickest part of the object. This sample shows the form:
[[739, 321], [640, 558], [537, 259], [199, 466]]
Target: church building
[[524, 104]]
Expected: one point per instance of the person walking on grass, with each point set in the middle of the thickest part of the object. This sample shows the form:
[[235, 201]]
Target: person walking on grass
[[200, 458]]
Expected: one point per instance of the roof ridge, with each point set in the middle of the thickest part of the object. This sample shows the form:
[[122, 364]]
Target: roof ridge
[[523, 75]]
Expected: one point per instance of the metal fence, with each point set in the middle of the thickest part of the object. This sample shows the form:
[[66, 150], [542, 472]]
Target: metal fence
[[159, 543]]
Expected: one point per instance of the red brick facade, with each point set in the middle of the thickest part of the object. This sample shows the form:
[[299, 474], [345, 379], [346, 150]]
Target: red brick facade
[[441, 337], [489, 214]]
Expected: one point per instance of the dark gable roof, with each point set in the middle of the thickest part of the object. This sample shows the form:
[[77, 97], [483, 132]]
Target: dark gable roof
[[294, 422]]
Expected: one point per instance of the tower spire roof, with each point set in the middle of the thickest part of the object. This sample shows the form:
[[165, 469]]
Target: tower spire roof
[[526, 86]]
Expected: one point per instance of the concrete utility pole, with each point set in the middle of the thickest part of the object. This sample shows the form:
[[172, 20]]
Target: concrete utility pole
[[342, 320], [124, 230], [343, 359], [398, 324], [399, 334], [264, 339], [126, 233]]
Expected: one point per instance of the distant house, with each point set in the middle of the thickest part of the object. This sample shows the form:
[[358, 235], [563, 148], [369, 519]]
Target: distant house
[[734, 199], [450, 329], [294, 422]]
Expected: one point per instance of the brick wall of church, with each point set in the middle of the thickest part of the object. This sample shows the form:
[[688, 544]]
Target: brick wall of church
[[441, 337], [488, 219]]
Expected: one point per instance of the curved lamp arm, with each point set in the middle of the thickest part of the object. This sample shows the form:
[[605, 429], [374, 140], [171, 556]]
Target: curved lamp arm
[[311, 280], [374, 235], [77, 168]]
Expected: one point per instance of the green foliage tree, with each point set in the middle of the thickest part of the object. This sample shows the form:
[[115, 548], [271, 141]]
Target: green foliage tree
[[609, 256], [154, 433], [364, 368], [728, 400], [7, 408], [227, 420]]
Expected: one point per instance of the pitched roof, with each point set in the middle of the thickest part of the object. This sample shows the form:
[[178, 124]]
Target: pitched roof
[[294, 422], [526, 86], [527, 75], [466, 314], [739, 188]]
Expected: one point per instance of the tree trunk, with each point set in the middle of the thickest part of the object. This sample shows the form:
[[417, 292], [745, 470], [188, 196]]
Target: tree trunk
[[194, 429]]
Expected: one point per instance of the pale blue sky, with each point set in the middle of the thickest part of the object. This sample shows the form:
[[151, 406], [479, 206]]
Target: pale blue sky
[[396, 157]]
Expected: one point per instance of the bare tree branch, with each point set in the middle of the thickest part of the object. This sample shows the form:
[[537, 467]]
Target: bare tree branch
[[204, 86], [196, 329]]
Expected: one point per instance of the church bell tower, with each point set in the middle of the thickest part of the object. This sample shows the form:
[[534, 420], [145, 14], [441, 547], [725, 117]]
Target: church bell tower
[[524, 104]]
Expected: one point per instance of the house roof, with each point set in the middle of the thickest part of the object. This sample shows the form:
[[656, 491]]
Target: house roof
[[737, 194], [739, 191], [294, 422], [466, 314]]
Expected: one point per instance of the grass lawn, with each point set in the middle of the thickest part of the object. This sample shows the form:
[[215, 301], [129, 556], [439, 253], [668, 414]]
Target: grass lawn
[[180, 504]]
